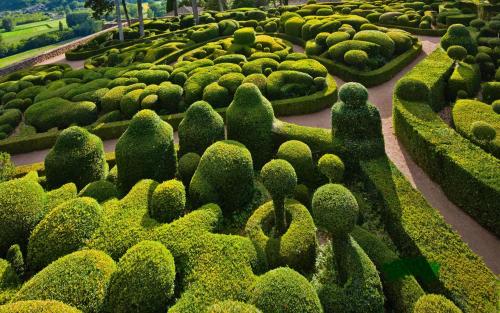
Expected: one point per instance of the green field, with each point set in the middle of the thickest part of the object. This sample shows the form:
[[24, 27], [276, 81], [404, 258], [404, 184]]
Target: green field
[[29, 30], [30, 53]]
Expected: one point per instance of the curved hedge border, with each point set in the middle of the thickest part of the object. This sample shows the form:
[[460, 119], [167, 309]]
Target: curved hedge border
[[419, 230], [300, 105], [375, 77], [434, 32], [468, 175]]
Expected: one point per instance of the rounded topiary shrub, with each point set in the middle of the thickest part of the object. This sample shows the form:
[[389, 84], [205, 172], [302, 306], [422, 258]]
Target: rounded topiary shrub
[[224, 176], [201, 127], [101, 190], [244, 36], [357, 58], [22, 201], [145, 150], [458, 34], [483, 131], [63, 230], [456, 52], [79, 279], [435, 304], [250, 120], [78, 157], [15, 257], [300, 156], [168, 201], [283, 290], [231, 306], [144, 281], [38, 306], [332, 167], [496, 106], [187, 166]]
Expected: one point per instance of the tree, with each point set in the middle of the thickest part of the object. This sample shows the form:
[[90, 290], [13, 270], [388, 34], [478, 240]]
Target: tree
[[99, 7], [8, 23], [457, 53], [119, 20], [141, 18], [61, 26], [194, 4], [125, 10]]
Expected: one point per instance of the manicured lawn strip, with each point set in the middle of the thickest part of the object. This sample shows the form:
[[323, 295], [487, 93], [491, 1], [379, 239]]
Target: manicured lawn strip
[[467, 174], [29, 30], [419, 230]]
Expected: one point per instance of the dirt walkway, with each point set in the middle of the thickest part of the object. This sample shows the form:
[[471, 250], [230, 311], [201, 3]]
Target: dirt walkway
[[479, 239], [62, 59]]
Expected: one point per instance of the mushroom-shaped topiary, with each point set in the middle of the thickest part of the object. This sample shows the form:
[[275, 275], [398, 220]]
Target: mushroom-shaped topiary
[[483, 131], [332, 167], [78, 157], [223, 176], [283, 290], [168, 201], [458, 34], [457, 53], [432, 303], [231, 306], [201, 127], [250, 120], [356, 124], [279, 178], [187, 166], [145, 150], [334, 208], [64, 229], [144, 281], [300, 157]]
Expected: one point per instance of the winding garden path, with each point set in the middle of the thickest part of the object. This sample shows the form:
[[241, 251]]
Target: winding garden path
[[479, 239]]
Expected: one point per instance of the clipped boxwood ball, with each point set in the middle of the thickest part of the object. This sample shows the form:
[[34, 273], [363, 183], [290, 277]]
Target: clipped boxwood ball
[[187, 166], [332, 167], [145, 150], [456, 52], [432, 303], [231, 306], [78, 157], [79, 279], [200, 127], [38, 306], [21, 202], [144, 281], [300, 157], [496, 106], [357, 58], [353, 94], [244, 36], [335, 209], [283, 290], [100, 190], [168, 201], [63, 230], [279, 178], [483, 131]]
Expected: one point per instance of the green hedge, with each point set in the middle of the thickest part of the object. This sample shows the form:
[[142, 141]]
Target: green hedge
[[436, 32], [467, 175], [419, 230], [375, 77]]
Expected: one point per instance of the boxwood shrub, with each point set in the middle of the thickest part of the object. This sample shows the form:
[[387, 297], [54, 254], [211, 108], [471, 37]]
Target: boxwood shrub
[[38, 306]]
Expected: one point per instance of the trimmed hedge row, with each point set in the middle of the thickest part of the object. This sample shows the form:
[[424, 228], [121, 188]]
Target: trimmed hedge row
[[419, 230], [468, 175], [436, 32]]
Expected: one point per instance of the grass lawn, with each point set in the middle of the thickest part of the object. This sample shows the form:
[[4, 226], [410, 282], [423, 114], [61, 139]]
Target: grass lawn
[[29, 30], [30, 53]]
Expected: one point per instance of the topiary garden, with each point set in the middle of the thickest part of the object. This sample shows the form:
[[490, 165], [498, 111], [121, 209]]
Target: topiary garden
[[211, 203]]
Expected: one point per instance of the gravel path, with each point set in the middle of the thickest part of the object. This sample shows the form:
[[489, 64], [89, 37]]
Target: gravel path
[[479, 239]]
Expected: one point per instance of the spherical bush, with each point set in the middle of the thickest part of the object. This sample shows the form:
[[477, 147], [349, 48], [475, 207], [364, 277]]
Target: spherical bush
[[168, 201], [144, 281], [187, 166], [250, 119], [224, 176], [300, 157], [77, 156], [435, 304], [22, 201], [332, 167], [458, 34], [279, 178], [483, 131], [231, 306], [79, 279], [357, 58], [231, 81], [496, 106], [353, 94], [462, 94], [258, 80], [64, 229], [283, 290], [201, 127], [244, 36], [100, 190], [457, 52], [335, 209], [145, 150]]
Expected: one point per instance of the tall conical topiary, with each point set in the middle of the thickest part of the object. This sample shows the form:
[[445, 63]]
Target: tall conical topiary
[[77, 157], [201, 127], [145, 150], [249, 120]]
